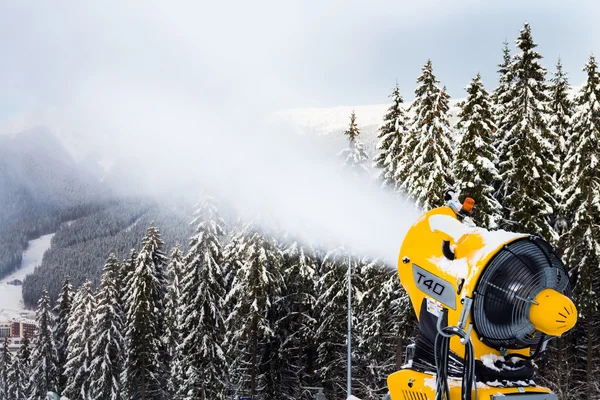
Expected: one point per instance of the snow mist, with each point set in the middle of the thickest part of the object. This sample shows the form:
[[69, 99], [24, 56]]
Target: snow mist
[[187, 102], [285, 181]]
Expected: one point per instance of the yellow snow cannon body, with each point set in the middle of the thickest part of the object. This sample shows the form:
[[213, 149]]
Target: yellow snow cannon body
[[486, 301]]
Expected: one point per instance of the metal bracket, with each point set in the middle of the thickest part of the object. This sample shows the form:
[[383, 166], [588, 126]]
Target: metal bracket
[[462, 322]]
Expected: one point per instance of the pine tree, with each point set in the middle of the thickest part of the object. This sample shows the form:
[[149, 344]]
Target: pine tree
[[61, 319], [430, 141], [144, 372], [298, 326], [173, 318], [501, 97], [474, 167], [386, 323], [107, 345], [233, 260], [80, 329], [256, 288], [233, 256], [5, 366], [501, 94], [583, 199], [125, 276], [392, 139], [18, 378], [355, 157], [20, 372], [527, 167], [44, 368], [201, 308], [561, 109]]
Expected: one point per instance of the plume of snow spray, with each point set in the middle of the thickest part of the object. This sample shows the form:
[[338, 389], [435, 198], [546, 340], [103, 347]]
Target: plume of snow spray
[[157, 88]]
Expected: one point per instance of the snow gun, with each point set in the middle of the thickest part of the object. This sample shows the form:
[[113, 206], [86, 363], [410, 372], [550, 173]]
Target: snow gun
[[487, 302]]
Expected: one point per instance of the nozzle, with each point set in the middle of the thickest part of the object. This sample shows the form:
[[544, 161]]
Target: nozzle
[[553, 313]]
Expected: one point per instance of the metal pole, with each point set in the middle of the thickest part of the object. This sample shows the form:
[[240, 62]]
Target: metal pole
[[349, 376]]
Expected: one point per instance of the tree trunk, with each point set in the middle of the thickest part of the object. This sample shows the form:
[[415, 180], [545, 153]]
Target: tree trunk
[[254, 357], [590, 355], [301, 366], [399, 355], [560, 381]]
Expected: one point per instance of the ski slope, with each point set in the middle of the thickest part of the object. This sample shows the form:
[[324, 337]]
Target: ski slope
[[11, 298]]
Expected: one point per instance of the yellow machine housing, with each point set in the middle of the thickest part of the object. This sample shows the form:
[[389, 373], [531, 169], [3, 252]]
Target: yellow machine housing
[[430, 277]]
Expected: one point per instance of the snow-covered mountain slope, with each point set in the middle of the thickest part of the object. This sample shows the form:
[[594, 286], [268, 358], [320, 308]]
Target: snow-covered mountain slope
[[36, 169], [331, 122], [11, 297]]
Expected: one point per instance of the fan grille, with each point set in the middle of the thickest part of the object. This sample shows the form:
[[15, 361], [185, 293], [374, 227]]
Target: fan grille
[[507, 288]]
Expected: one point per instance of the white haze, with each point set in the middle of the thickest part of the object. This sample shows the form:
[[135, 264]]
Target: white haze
[[291, 182], [187, 94]]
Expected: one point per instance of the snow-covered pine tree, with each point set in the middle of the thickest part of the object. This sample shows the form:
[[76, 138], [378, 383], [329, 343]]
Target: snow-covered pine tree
[[144, 373], [332, 308], [582, 252], [201, 308], [5, 366], [256, 289], [20, 371], [474, 168], [429, 172], [385, 324], [297, 328], [17, 378], [392, 140], [527, 167], [62, 309], [561, 114], [44, 368], [233, 256], [125, 274], [368, 353], [501, 94], [107, 345], [173, 319], [233, 260], [160, 261], [24, 353], [500, 98], [354, 156], [81, 329]]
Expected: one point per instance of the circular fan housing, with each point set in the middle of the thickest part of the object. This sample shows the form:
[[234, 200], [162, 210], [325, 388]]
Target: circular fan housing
[[507, 289]]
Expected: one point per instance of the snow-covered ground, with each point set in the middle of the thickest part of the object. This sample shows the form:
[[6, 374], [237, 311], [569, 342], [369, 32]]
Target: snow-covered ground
[[11, 299]]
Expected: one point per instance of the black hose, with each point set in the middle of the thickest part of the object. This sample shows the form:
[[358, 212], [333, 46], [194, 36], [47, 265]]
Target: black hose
[[442, 352], [532, 356]]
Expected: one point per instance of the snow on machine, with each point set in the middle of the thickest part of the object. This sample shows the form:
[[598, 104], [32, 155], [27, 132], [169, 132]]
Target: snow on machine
[[486, 301]]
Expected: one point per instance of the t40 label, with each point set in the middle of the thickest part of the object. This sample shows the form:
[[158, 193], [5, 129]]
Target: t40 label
[[434, 286]]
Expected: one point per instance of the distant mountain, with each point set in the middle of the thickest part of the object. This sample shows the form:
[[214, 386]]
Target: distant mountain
[[328, 123], [37, 175], [41, 187]]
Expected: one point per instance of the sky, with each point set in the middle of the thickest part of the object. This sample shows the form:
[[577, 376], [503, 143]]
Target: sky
[[183, 88], [272, 54]]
